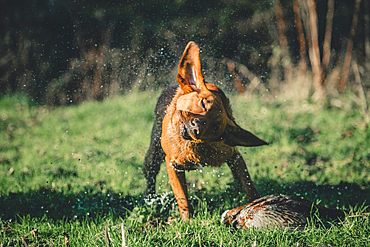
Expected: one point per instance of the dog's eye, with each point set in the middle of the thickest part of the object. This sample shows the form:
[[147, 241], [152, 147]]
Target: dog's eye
[[204, 105]]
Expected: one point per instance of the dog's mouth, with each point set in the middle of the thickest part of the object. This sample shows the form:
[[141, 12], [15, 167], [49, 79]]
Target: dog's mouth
[[184, 132]]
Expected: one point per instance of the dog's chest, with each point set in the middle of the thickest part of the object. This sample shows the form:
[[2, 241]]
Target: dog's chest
[[201, 154]]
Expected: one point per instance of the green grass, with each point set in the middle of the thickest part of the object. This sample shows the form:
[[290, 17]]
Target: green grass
[[75, 169]]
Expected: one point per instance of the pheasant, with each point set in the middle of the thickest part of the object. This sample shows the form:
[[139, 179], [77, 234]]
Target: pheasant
[[276, 210]]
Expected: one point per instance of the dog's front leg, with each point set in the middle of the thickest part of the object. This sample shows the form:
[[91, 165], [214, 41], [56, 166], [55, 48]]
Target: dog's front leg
[[240, 172], [178, 184]]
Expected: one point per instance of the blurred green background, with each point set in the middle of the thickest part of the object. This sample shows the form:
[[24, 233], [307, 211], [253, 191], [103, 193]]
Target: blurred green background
[[66, 52]]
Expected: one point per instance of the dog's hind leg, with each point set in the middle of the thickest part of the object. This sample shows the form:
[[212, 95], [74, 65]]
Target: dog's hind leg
[[240, 172], [153, 159]]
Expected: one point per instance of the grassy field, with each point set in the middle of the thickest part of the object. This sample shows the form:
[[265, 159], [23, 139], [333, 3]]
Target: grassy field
[[78, 170]]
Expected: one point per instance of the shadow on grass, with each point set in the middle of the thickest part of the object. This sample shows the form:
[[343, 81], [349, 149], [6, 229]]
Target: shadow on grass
[[340, 195], [65, 205], [91, 202]]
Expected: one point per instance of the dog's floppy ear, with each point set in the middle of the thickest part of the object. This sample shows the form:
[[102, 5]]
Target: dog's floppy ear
[[190, 75], [234, 135]]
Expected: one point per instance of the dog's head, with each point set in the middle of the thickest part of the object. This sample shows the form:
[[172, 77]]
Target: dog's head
[[204, 110]]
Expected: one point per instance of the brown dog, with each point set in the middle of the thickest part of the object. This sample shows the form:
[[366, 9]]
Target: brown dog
[[194, 127]]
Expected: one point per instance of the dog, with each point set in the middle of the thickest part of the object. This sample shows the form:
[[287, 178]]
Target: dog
[[194, 127]]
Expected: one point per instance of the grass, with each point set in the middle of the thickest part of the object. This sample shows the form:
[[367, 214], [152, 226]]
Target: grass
[[77, 169]]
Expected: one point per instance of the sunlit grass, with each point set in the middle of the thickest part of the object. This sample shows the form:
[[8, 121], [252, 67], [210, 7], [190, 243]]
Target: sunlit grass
[[74, 169]]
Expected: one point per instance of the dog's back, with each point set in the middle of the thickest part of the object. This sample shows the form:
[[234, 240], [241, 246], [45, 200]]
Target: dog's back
[[163, 102]]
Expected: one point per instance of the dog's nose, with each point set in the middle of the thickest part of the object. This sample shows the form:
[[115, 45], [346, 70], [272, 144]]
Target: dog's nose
[[194, 122], [196, 127]]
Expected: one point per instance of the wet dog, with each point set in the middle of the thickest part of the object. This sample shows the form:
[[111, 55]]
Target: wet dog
[[194, 127]]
